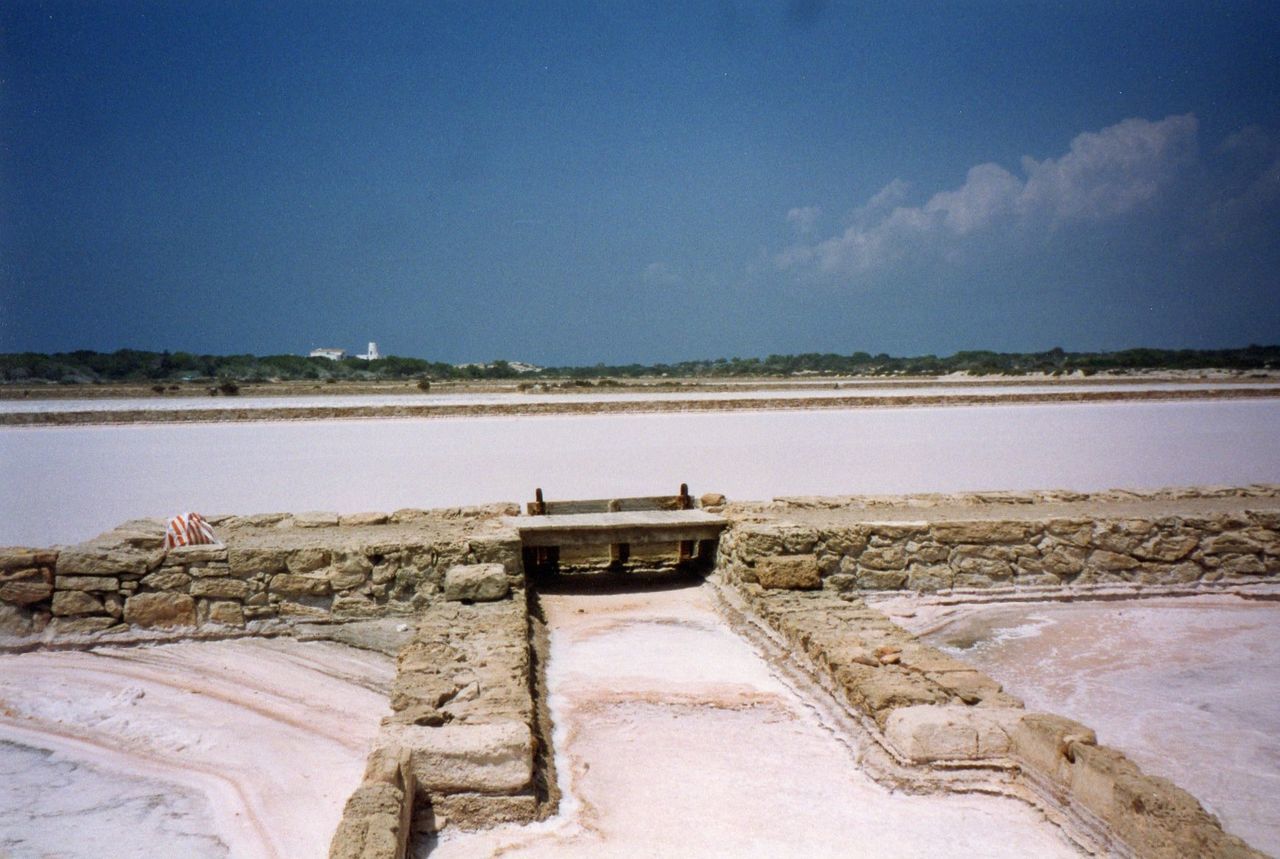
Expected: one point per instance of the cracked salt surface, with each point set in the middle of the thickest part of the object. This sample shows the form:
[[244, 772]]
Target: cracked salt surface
[[674, 737]]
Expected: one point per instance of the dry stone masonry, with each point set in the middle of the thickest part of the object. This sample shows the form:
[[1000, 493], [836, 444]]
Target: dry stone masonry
[[465, 744]]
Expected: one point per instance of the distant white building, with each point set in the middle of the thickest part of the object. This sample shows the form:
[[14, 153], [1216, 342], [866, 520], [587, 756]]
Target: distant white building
[[371, 354], [331, 354]]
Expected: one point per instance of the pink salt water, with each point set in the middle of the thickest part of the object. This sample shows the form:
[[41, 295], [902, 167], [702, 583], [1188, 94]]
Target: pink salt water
[[673, 736], [242, 748], [1187, 687]]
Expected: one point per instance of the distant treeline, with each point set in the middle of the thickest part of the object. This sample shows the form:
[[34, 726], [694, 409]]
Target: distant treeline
[[132, 365]]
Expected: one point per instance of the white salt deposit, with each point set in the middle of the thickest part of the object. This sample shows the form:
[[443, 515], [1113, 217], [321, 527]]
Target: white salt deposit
[[242, 748], [675, 738], [67, 484], [1188, 687]]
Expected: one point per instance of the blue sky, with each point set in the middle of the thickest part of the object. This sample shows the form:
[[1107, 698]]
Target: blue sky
[[582, 183]]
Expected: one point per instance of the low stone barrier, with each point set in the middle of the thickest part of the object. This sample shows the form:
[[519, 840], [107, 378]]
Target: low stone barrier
[[927, 708], [271, 570], [789, 545]]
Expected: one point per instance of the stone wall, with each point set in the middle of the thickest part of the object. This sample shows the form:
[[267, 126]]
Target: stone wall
[[269, 571], [792, 548], [957, 727]]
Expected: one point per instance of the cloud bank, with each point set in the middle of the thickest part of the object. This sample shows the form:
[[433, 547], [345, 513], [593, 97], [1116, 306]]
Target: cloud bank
[[1123, 169]]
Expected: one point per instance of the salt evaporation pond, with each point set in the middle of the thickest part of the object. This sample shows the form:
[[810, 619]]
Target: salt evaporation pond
[[673, 737], [64, 484], [1187, 687], [204, 750], [827, 390]]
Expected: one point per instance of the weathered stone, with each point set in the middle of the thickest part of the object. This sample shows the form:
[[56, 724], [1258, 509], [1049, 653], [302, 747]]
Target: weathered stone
[[88, 583], [199, 554], [1045, 743], [315, 519], [940, 733], [486, 758], [160, 610], [353, 606], [1166, 547], [225, 588], [354, 520], [1234, 565], [292, 585], [81, 625], [883, 558], [16, 621], [881, 580], [476, 582], [114, 605], [712, 499], [1229, 544], [25, 593], [293, 608], [981, 568], [245, 562], [927, 553], [1168, 574], [1078, 532], [204, 571], [307, 560], [17, 558], [980, 531], [788, 572], [69, 603], [1061, 560], [91, 560], [930, 577], [1111, 561], [167, 580], [226, 613]]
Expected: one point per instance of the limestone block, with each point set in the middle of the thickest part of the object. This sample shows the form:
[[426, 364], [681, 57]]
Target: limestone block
[[224, 588], [88, 583], [292, 608], [354, 606], [1111, 561], [355, 520], [981, 531], [1077, 532], [25, 593], [969, 686], [208, 570], [81, 625], [1233, 565], [883, 558], [788, 572], [712, 499], [484, 758], [160, 610], [226, 613], [754, 541], [1045, 743], [930, 577], [97, 560], [951, 732], [167, 580], [68, 603], [1169, 574], [307, 560], [288, 584], [200, 554], [315, 519], [881, 580], [248, 561], [476, 582], [1166, 547], [1229, 544], [889, 688], [15, 621], [17, 558]]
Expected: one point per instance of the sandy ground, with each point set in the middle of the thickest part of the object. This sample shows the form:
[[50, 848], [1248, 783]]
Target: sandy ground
[[245, 748], [63, 485], [675, 738], [1188, 687]]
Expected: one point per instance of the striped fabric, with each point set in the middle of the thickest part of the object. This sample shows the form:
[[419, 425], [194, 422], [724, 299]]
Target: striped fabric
[[188, 529]]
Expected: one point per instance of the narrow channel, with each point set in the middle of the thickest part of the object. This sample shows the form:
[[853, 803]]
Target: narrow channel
[[674, 736]]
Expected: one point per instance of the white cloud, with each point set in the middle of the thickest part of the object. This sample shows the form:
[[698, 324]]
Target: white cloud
[[1103, 174], [803, 218]]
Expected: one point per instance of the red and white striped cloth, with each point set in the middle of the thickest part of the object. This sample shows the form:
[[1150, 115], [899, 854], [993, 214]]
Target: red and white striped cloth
[[188, 529]]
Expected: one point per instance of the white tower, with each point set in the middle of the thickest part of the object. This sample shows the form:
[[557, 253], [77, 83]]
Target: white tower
[[372, 354]]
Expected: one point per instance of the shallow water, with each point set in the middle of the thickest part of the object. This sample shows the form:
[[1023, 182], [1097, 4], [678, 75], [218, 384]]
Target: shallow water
[[1188, 687], [675, 738], [64, 484], [245, 748]]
